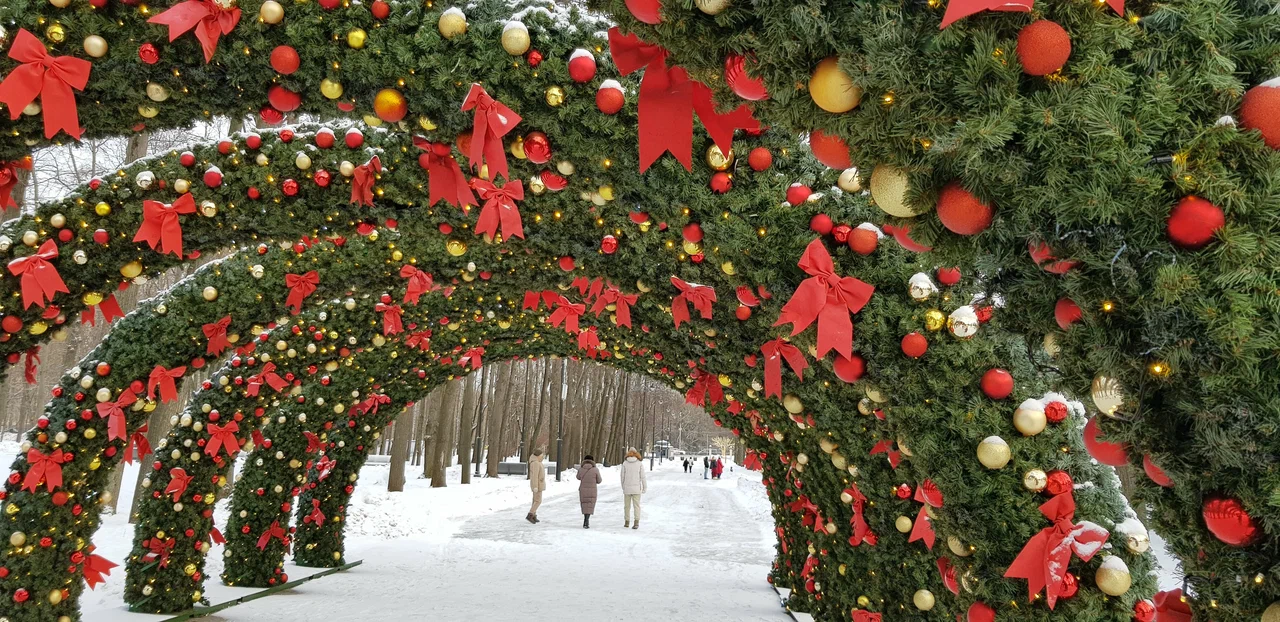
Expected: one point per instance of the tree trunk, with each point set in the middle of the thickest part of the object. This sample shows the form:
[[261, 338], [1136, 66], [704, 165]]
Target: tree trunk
[[498, 419], [466, 420], [403, 430], [444, 418]]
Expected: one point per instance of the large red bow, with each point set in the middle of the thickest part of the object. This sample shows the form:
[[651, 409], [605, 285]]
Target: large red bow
[[111, 311], [163, 378], [774, 353], [621, 302], [499, 208], [886, 447], [567, 313], [812, 514], [865, 616], [371, 404], [1043, 561], [700, 296], [178, 482], [113, 412], [492, 121], [960, 9], [159, 549], [362, 181], [420, 282], [160, 226], [668, 101], [31, 365], [1172, 606], [140, 442], [324, 466], [444, 177], [267, 376], [706, 385], [274, 531], [314, 443], [222, 437], [472, 357], [928, 494], [96, 569], [420, 340], [205, 17], [300, 286], [216, 333], [861, 530], [39, 279], [589, 341], [46, 468], [827, 298], [9, 181], [391, 323], [48, 77], [316, 516], [589, 288]]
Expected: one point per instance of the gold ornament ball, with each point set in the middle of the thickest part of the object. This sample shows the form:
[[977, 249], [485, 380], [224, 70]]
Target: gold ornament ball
[[1272, 614], [189, 569], [452, 24], [38, 328], [331, 89], [792, 403], [56, 33], [1113, 581], [903, 524], [346, 168], [58, 220], [536, 186], [849, 180], [1035, 480], [16, 538], [426, 123], [30, 238], [934, 320], [95, 46], [390, 105], [157, 92], [210, 293], [565, 167], [832, 89], [1108, 394], [517, 148], [902, 447], [713, 7], [515, 38], [889, 186], [845, 497], [728, 268], [555, 96], [208, 209], [181, 186], [455, 248], [957, 547], [1050, 345], [102, 209], [923, 600], [55, 597], [993, 452], [61, 4], [1137, 542], [356, 38], [302, 161], [1029, 420], [271, 12], [863, 601], [32, 109], [148, 112], [692, 248], [717, 159], [802, 458]]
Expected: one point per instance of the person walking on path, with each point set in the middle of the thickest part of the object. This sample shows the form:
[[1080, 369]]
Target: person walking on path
[[717, 469], [633, 485], [589, 475], [537, 484]]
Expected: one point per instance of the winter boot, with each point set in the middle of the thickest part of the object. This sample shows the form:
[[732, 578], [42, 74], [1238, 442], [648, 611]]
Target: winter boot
[[530, 517], [586, 521], [535, 519], [636, 525], [626, 524]]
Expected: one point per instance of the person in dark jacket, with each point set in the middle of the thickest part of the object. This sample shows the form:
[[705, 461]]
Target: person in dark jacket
[[706, 467], [590, 477]]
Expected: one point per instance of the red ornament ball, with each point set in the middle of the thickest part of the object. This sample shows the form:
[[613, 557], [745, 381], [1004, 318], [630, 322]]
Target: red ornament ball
[[610, 98], [903, 491], [609, 245], [849, 369], [98, 4], [534, 58], [1058, 482], [798, 193], [95, 183], [213, 177], [646, 11], [1043, 47], [286, 135], [830, 150], [1070, 585], [225, 147], [1144, 611], [582, 66], [284, 59], [1156, 474], [329, 5], [841, 232], [1260, 110], [1066, 312], [148, 54], [760, 159], [537, 148], [270, 115], [980, 612], [283, 99], [254, 193], [914, 345], [949, 276], [997, 384], [566, 263], [253, 141], [187, 159], [59, 498], [103, 369], [692, 232], [11, 323], [100, 236], [961, 212], [864, 240], [743, 313], [322, 178], [1110, 454], [1228, 521], [1055, 412], [721, 183], [21, 595], [743, 85], [324, 140], [289, 187], [1194, 221], [380, 10], [353, 139], [820, 224]]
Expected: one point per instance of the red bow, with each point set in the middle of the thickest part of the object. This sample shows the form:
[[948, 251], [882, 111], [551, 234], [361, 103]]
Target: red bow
[[420, 282], [140, 442], [160, 226], [362, 181], [810, 564], [752, 461], [9, 180], [372, 403], [960, 9], [48, 77], [705, 385], [499, 208], [30, 366], [113, 412], [700, 296], [928, 494], [178, 482], [205, 17], [222, 437], [589, 341], [324, 466], [491, 122], [215, 536], [622, 304], [1172, 606], [668, 101], [420, 340], [532, 299], [216, 333], [267, 376], [774, 352], [827, 298], [316, 516], [471, 356], [159, 549], [391, 323], [444, 177], [567, 313], [110, 311], [589, 288], [1043, 561], [45, 468], [886, 447], [164, 379], [274, 531], [1041, 253], [96, 569], [314, 443], [812, 515], [300, 286], [861, 530], [865, 616], [40, 280]]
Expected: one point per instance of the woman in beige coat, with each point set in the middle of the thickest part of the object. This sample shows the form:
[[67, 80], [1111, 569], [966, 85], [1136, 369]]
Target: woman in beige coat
[[537, 484], [590, 477]]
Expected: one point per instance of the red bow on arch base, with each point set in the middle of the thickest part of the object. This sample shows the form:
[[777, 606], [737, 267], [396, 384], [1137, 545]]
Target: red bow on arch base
[[829, 299], [300, 286], [39, 279], [1043, 561], [700, 296], [362, 181], [113, 412], [50, 78], [775, 352]]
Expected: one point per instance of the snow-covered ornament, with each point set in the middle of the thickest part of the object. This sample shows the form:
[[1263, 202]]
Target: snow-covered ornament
[[610, 98], [963, 322], [1260, 110], [145, 180], [213, 177], [515, 38], [582, 66], [921, 288]]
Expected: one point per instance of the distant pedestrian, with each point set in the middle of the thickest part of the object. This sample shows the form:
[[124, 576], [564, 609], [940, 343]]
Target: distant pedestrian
[[717, 469], [537, 484], [633, 485], [589, 475], [706, 467]]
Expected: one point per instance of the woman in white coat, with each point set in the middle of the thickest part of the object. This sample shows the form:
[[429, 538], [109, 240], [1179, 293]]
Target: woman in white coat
[[633, 485]]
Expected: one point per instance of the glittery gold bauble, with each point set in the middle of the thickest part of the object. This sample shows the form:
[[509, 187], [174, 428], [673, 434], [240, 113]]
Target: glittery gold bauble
[[1113, 581], [889, 186], [717, 159], [536, 186], [792, 403], [257, 271], [1035, 480], [728, 268], [148, 112], [849, 180], [452, 23], [934, 320], [692, 248], [55, 33], [725, 380], [16, 538], [863, 601], [91, 298], [555, 96], [95, 46], [515, 39], [189, 569], [37, 327], [1050, 345], [356, 38], [390, 105], [923, 600], [196, 596], [643, 287], [331, 89], [271, 12], [565, 167], [832, 89], [903, 524], [157, 92], [455, 248], [712, 7], [957, 547], [1272, 614], [1108, 394], [1137, 542], [210, 293], [839, 461], [55, 596], [131, 269], [875, 394], [1029, 419], [866, 406], [993, 452], [426, 123]]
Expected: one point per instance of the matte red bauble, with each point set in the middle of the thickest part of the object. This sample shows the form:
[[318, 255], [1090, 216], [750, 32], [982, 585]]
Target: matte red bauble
[[1066, 312], [329, 5], [610, 99], [187, 159], [283, 99], [692, 232], [849, 369], [743, 85], [961, 212], [380, 9], [949, 276], [284, 59], [1110, 454], [798, 193], [566, 263], [324, 140], [864, 240], [1043, 47], [1194, 221], [997, 384], [1156, 474], [1228, 521], [213, 177], [830, 150], [915, 345], [760, 159], [743, 313], [11, 324], [980, 612], [721, 183], [646, 11], [354, 139], [1260, 110], [820, 224], [582, 66], [253, 141]]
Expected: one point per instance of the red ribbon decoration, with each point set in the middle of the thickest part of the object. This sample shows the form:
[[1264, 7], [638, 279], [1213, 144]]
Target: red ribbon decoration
[[706, 385], [492, 121], [216, 333], [391, 323], [668, 101], [324, 466], [472, 356], [40, 280], [1043, 561], [111, 311], [886, 447], [812, 515], [371, 404], [316, 516], [444, 177], [9, 181], [215, 536], [589, 341], [140, 442], [222, 437], [159, 549], [928, 494], [420, 282], [700, 296], [160, 226], [752, 461], [300, 286], [589, 288], [362, 181], [567, 313], [274, 531], [622, 304], [531, 300], [178, 482], [1043, 256], [499, 208], [861, 530], [827, 298], [774, 353], [314, 443], [960, 9], [51, 78], [205, 17], [1171, 606], [113, 412], [31, 365], [46, 468], [865, 616], [267, 376], [420, 340], [164, 378], [96, 569]]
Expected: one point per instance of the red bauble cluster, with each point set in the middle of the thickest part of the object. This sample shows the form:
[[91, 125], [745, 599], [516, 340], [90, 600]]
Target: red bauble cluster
[[830, 150], [1229, 522], [1260, 110], [1058, 482], [997, 384], [841, 233], [1043, 47], [1194, 221], [284, 59], [582, 66], [760, 159], [742, 85], [915, 345], [961, 212], [610, 98]]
